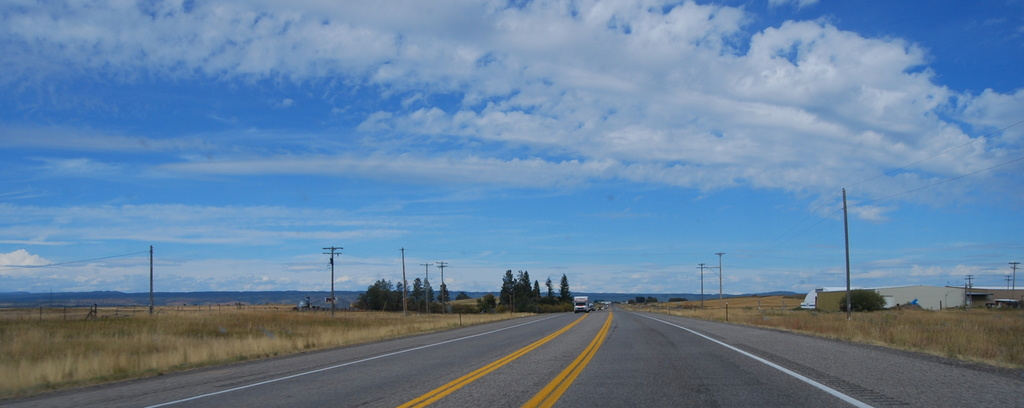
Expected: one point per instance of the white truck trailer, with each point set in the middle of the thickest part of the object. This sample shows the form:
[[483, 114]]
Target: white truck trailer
[[580, 304]]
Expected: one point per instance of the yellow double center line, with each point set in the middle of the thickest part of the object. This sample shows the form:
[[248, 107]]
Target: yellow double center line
[[557, 386], [554, 390], [444, 390]]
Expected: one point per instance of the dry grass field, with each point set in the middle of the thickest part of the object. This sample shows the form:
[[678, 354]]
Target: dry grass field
[[993, 337], [48, 349]]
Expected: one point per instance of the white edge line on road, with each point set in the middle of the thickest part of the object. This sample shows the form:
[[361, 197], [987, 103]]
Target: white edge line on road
[[852, 401], [340, 365]]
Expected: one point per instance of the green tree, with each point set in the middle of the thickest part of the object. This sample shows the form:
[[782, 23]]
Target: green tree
[[551, 289], [428, 294], [487, 303], [525, 301], [508, 287], [462, 296], [380, 296], [564, 295], [416, 295], [863, 300], [442, 295]]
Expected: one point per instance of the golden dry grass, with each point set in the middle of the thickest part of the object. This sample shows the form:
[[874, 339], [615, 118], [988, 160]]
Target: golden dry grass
[[993, 337], [45, 350]]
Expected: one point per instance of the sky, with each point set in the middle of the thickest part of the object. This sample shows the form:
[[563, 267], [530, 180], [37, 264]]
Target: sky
[[619, 143]]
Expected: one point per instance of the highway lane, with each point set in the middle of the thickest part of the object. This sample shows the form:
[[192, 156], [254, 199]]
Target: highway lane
[[644, 359], [877, 376], [387, 373], [649, 363]]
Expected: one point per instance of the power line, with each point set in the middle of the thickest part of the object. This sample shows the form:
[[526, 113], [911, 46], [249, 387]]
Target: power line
[[943, 181], [974, 140], [782, 237], [9, 267]]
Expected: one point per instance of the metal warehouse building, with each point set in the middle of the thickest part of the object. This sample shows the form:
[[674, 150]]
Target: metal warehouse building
[[927, 297]]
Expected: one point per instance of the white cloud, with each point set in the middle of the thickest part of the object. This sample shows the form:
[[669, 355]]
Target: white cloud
[[172, 223], [797, 3], [996, 111], [67, 138], [78, 167], [613, 90], [553, 95], [21, 257]]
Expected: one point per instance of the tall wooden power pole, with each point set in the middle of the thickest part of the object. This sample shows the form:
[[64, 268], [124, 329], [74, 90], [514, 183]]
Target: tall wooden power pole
[[151, 279], [405, 288], [846, 235], [701, 266], [1013, 290], [333, 250], [426, 286], [444, 289], [719, 277]]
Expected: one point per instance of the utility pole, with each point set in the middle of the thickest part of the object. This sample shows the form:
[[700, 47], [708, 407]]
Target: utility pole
[[719, 277], [968, 284], [426, 285], [1013, 290], [444, 289], [405, 288], [333, 250], [701, 285], [846, 235], [150, 279]]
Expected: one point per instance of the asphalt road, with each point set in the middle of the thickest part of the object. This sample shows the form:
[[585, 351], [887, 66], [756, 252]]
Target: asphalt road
[[601, 359]]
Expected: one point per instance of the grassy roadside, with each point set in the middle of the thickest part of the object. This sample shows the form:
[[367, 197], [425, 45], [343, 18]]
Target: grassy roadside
[[44, 350], [994, 337]]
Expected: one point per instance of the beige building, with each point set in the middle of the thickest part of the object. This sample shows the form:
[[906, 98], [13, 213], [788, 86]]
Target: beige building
[[996, 297], [927, 297]]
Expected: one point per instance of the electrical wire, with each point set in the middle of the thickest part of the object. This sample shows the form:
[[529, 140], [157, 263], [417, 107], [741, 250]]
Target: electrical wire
[[974, 140], [783, 239], [10, 267], [942, 181]]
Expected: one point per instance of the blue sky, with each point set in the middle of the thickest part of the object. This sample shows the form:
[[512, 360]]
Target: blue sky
[[620, 143]]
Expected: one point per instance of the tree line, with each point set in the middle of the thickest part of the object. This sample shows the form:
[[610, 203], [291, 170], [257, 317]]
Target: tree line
[[518, 293]]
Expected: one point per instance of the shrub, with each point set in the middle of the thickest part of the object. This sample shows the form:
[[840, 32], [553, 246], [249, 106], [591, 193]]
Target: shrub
[[556, 308], [487, 303], [863, 300], [464, 308]]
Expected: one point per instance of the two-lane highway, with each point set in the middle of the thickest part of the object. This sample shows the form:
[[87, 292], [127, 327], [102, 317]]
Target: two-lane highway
[[603, 358]]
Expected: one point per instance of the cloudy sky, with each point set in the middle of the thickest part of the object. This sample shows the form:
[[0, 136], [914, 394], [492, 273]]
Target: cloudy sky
[[621, 143]]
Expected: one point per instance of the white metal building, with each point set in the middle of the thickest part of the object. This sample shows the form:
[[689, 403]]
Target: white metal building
[[927, 297]]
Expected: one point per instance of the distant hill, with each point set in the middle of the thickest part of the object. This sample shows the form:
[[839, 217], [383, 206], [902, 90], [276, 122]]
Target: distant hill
[[112, 298]]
